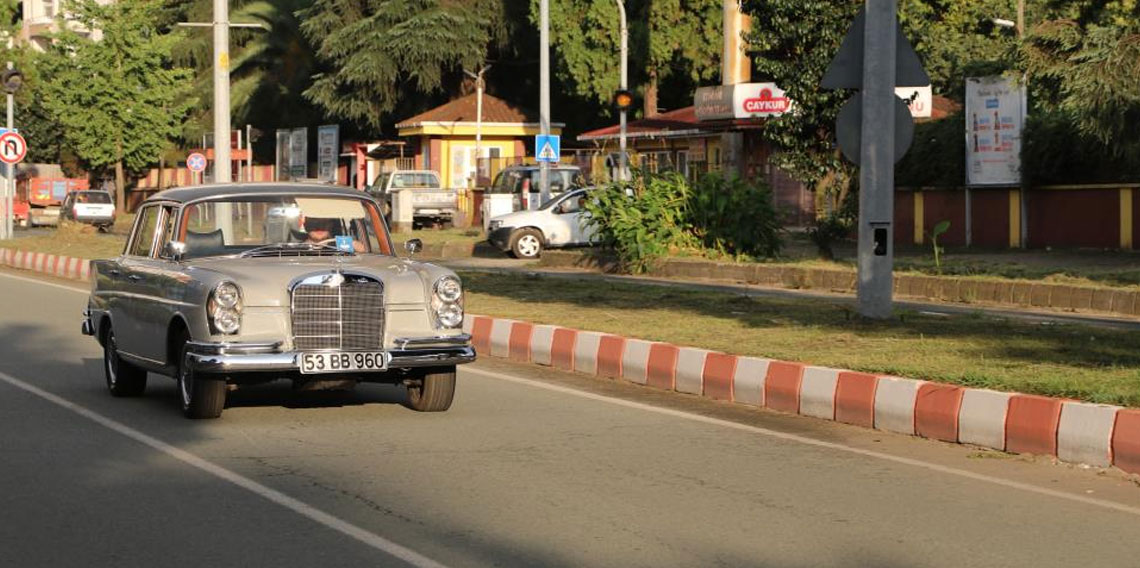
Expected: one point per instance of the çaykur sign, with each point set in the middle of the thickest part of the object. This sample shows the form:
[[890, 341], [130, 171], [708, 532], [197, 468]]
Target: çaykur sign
[[762, 100], [744, 100]]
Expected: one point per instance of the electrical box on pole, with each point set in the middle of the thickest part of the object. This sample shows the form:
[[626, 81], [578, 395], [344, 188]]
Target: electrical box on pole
[[874, 130]]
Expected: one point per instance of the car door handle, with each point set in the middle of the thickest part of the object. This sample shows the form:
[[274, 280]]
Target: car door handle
[[114, 272], [134, 278]]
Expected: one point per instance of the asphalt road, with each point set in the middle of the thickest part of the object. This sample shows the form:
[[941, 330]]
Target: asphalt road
[[531, 467]]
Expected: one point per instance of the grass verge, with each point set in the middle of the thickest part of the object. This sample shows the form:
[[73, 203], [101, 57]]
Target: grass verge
[[974, 350]]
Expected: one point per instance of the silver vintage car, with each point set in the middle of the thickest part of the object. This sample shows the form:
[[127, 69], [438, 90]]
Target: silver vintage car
[[225, 285]]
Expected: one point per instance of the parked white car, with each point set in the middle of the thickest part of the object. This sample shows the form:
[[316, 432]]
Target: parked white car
[[560, 222]]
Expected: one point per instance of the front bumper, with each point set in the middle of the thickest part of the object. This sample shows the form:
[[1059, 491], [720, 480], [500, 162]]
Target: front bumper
[[409, 353], [501, 237]]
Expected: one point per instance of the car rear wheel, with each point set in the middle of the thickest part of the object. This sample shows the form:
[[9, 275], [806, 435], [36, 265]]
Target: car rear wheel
[[433, 390], [123, 378], [526, 243], [203, 396]]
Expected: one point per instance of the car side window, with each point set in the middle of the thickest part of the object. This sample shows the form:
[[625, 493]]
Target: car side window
[[142, 238], [168, 219]]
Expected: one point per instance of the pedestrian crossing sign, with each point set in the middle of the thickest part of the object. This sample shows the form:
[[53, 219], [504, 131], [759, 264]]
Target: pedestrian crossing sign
[[547, 148]]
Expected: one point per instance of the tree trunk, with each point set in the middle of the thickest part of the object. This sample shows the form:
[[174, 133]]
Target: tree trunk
[[120, 188], [651, 95]]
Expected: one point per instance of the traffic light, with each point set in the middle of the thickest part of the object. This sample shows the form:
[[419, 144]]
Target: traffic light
[[623, 100], [12, 80]]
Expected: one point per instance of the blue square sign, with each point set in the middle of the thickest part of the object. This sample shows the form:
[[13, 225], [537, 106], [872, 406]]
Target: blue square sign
[[344, 243], [547, 148]]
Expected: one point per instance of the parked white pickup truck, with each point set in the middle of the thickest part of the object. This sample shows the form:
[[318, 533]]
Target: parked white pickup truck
[[431, 202]]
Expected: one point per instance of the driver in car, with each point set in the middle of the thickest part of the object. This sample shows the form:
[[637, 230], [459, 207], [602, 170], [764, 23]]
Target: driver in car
[[320, 231]]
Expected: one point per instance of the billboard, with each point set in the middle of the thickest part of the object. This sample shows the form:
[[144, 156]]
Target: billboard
[[328, 150], [299, 153], [744, 100], [283, 154], [993, 131]]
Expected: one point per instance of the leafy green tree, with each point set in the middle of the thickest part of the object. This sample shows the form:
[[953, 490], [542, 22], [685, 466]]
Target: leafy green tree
[[270, 68], [375, 52], [1088, 74], [792, 42], [119, 99], [673, 44]]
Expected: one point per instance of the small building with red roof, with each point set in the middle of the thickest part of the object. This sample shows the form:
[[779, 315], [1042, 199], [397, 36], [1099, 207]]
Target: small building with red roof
[[443, 139]]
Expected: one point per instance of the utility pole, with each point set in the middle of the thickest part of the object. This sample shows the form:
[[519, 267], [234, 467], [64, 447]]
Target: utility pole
[[877, 171], [480, 86], [222, 92], [543, 97], [12, 82], [623, 163]]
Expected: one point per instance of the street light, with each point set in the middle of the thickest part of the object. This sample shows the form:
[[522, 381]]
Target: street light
[[480, 85], [623, 98], [1019, 27]]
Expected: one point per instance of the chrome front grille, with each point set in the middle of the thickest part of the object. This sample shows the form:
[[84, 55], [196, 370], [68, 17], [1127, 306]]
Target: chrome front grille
[[349, 316]]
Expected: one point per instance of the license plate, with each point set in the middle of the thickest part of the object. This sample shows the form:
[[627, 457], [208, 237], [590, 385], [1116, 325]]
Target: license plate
[[343, 361]]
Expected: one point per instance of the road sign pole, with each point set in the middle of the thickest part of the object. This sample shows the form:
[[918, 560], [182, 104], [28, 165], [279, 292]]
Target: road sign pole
[[10, 184], [543, 98], [877, 170]]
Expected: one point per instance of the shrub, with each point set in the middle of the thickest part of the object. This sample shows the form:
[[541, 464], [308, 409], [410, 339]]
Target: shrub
[[653, 216]]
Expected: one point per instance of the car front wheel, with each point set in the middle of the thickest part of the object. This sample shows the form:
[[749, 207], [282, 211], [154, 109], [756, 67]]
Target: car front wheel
[[526, 243], [203, 396], [433, 390], [123, 378]]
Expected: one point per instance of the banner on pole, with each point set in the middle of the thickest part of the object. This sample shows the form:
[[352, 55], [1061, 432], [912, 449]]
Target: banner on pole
[[328, 148]]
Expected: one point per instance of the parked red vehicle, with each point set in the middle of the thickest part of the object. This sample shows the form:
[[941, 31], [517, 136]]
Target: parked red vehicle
[[44, 196]]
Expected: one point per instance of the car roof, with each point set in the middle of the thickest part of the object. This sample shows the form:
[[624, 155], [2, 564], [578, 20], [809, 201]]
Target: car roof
[[194, 193]]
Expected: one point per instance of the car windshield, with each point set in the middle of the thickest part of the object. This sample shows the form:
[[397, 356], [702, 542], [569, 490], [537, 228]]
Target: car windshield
[[100, 197], [280, 225], [514, 181], [556, 200]]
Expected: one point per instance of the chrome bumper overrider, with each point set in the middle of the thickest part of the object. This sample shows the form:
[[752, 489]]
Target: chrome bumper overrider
[[260, 357]]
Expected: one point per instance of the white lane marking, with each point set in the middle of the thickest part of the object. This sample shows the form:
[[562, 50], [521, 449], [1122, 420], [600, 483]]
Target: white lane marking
[[772, 433], [375, 541], [808, 441]]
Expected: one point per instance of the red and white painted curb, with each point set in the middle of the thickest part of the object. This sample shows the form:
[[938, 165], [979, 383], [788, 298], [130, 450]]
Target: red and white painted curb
[[53, 264], [1072, 431]]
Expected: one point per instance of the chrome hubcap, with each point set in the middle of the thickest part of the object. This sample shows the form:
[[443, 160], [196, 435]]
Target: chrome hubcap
[[529, 245]]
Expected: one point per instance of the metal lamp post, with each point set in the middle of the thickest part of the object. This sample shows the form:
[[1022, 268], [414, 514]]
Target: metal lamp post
[[480, 86], [1023, 202], [623, 165]]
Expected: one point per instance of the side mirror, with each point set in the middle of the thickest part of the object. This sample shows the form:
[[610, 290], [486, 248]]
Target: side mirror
[[174, 250], [413, 246]]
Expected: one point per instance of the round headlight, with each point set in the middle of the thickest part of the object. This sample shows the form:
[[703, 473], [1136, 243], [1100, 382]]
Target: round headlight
[[450, 315], [448, 289], [226, 321], [227, 295]]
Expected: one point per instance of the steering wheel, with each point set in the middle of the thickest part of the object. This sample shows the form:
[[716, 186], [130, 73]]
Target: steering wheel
[[326, 242]]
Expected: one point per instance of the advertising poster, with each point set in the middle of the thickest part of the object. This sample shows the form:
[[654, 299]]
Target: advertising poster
[[283, 154], [328, 146], [299, 153], [993, 131]]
